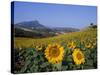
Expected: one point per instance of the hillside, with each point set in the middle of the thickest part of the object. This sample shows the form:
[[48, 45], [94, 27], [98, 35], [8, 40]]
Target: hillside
[[34, 29], [58, 39]]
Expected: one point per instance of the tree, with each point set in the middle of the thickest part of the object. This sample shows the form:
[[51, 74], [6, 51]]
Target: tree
[[91, 24]]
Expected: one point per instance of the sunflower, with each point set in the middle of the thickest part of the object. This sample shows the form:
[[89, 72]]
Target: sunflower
[[78, 56], [54, 53], [71, 45], [88, 45], [38, 48]]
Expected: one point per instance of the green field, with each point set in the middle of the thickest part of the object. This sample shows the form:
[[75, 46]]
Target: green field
[[33, 56], [89, 34]]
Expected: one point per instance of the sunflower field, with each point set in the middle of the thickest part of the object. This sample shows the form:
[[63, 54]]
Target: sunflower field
[[70, 51]]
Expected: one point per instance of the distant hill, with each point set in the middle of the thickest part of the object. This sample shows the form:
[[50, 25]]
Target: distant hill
[[64, 29], [37, 30], [34, 25], [30, 24]]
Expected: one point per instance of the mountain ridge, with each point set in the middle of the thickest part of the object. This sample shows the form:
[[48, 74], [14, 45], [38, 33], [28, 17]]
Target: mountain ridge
[[34, 27]]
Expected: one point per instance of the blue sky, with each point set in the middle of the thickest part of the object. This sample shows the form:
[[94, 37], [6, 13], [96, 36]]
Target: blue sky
[[55, 15]]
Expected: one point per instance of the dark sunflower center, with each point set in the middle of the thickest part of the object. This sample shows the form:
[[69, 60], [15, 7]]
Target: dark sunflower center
[[54, 52], [79, 56]]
